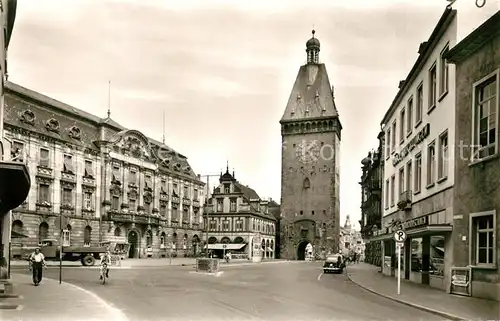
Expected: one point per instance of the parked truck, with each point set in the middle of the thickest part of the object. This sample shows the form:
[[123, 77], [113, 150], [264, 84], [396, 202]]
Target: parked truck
[[50, 248]]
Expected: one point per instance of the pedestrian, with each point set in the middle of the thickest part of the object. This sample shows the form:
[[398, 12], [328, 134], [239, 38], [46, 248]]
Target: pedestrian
[[37, 262]]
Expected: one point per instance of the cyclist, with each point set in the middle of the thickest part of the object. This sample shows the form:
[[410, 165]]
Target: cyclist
[[105, 263]]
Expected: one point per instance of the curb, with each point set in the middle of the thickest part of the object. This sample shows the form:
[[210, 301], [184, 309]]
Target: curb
[[216, 274], [413, 305]]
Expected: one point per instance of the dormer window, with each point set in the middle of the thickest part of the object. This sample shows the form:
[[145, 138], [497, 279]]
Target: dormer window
[[227, 188], [233, 205], [220, 205]]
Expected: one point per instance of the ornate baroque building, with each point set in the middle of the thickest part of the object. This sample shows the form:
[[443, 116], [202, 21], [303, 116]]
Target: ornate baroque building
[[310, 164], [351, 240], [108, 182], [371, 202], [238, 218]]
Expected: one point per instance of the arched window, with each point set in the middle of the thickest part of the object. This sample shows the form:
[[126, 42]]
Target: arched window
[[17, 226], [163, 240], [307, 183], [225, 240], [87, 236], [174, 241], [149, 238], [184, 241], [118, 231], [43, 232], [212, 240]]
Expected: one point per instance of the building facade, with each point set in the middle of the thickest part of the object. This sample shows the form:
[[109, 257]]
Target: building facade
[[371, 202], [351, 240], [477, 168], [104, 182], [418, 167], [239, 221], [310, 163]]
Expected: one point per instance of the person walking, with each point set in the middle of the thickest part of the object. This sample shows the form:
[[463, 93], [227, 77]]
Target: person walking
[[37, 263]]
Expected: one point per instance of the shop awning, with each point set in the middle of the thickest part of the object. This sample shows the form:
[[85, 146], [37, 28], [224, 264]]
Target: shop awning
[[228, 246], [17, 235], [425, 230]]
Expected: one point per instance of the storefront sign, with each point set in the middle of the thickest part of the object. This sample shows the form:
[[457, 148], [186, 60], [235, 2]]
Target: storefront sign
[[406, 225], [417, 139], [460, 281], [416, 222]]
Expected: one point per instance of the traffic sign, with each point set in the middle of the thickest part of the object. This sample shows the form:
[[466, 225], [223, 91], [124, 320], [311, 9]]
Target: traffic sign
[[400, 236], [400, 244], [224, 246]]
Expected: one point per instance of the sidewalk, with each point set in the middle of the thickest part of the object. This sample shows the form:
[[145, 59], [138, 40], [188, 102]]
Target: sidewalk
[[438, 302], [53, 301]]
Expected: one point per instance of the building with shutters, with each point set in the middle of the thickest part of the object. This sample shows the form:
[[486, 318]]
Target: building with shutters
[[109, 183], [239, 220]]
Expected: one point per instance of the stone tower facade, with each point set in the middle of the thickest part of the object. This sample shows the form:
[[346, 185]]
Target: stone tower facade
[[310, 163]]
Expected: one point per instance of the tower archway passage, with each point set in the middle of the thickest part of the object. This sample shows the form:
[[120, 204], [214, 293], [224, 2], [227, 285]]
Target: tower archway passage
[[302, 249]]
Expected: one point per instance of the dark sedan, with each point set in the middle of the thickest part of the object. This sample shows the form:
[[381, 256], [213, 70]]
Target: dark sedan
[[334, 264]]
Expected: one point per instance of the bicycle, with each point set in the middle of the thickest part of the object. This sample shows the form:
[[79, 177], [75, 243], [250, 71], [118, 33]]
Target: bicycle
[[104, 274]]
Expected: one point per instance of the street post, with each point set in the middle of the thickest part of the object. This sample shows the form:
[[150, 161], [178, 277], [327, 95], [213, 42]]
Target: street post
[[400, 238]]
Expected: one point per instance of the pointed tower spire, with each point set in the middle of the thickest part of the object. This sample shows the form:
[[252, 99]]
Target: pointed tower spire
[[109, 98], [227, 167]]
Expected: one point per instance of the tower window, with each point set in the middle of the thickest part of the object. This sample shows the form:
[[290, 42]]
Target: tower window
[[307, 183], [301, 212], [312, 213]]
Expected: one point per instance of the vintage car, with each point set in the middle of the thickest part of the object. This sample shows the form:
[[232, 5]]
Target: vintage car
[[334, 264]]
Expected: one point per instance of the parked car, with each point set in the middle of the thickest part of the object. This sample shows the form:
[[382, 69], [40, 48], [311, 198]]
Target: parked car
[[334, 264]]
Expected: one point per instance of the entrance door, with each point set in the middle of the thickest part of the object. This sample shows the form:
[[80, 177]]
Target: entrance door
[[133, 240]]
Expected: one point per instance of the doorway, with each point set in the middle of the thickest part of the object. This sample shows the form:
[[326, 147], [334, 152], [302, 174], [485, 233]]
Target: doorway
[[301, 250], [133, 240]]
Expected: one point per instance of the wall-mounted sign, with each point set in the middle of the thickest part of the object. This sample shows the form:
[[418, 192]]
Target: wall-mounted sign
[[417, 139], [406, 225], [416, 222], [460, 281]]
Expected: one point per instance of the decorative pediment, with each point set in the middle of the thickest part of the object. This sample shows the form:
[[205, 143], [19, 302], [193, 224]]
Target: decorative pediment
[[52, 125], [27, 117], [75, 133], [187, 169], [148, 197], [132, 194], [177, 166], [116, 190], [133, 142]]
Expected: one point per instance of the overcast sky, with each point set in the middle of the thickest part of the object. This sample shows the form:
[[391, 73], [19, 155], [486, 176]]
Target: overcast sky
[[222, 72]]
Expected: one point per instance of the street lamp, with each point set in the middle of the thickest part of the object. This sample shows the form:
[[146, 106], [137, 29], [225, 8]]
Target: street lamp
[[207, 206]]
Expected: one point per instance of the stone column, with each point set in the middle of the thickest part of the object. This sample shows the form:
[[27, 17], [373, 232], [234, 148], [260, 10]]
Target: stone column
[[426, 249]]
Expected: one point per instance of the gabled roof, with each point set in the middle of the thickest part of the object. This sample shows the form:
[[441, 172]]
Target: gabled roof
[[248, 193], [475, 40], [311, 95]]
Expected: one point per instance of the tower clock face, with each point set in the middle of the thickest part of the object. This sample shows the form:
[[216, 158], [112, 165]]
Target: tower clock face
[[307, 152]]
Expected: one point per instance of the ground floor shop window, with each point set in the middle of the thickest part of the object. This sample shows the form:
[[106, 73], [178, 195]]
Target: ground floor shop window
[[416, 254], [437, 252]]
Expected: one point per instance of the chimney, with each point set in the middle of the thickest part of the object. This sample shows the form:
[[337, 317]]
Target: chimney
[[333, 91], [401, 84], [422, 47]]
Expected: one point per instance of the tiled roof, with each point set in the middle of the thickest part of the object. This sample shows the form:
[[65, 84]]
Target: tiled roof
[[22, 103], [311, 92]]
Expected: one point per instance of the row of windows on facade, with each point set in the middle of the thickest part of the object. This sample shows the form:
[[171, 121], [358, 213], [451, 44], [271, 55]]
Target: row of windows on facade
[[43, 232], [67, 197], [225, 226], [485, 121], [406, 113], [411, 172], [68, 167]]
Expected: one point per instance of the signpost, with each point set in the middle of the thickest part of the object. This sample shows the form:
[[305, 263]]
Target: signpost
[[400, 238], [224, 247]]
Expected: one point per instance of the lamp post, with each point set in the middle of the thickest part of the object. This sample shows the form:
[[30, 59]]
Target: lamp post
[[207, 206]]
